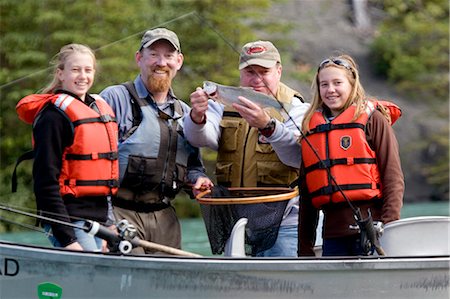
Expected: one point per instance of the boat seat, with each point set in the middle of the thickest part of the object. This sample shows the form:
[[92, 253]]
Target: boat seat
[[417, 236], [235, 245]]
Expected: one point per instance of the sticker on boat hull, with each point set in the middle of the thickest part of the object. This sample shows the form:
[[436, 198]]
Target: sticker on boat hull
[[48, 290]]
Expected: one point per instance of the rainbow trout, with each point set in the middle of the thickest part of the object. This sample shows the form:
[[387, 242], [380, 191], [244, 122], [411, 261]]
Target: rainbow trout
[[228, 95]]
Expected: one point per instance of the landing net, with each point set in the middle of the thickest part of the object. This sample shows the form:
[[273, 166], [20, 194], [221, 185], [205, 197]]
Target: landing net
[[263, 207]]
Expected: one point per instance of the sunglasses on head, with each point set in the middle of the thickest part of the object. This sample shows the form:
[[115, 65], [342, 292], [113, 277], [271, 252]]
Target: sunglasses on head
[[337, 61]]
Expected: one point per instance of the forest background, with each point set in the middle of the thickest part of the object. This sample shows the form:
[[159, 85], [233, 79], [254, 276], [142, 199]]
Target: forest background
[[401, 46]]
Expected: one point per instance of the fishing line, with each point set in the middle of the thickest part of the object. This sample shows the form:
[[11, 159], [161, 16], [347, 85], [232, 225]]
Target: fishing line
[[21, 208], [51, 220], [18, 80]]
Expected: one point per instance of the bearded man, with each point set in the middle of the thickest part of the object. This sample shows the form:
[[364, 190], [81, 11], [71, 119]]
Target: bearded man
[[155, 160]]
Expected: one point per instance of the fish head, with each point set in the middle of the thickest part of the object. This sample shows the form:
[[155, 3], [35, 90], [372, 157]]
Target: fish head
[[209, 87]]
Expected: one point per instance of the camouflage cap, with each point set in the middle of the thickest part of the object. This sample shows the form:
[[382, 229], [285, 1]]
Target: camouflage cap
[[262, 53], [156, 34]]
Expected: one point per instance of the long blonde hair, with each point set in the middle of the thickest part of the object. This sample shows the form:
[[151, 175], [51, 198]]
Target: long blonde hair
[[59, 61], [357, 95]]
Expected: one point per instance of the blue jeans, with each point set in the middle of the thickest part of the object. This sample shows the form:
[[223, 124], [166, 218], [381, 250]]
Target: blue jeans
[[285, 245], [87, 241], [345, 246]]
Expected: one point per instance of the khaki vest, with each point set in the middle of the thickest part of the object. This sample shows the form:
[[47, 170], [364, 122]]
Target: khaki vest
[[243, 161]]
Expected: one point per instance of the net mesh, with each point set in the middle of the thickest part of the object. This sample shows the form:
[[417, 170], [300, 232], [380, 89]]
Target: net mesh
[[263, 219]]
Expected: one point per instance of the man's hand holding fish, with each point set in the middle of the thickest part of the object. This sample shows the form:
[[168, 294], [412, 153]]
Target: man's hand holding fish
[[199, 105], [252, 113]]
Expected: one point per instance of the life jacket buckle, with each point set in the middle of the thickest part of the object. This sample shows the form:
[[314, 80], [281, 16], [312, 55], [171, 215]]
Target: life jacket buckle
[[323, 128], [112, 155]]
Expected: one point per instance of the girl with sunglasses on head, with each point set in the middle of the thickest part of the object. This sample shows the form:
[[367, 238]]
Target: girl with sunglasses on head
[[75, 168], [350, 161]]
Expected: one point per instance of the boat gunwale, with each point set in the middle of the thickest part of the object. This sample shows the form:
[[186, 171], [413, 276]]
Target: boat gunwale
[[225, 263]]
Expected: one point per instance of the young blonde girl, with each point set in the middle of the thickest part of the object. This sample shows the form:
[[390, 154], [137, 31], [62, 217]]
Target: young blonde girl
[[75, 168], [352, 136]]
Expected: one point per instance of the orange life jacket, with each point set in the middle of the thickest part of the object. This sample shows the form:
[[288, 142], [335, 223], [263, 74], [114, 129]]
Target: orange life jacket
[[89, 165], [343, 148]]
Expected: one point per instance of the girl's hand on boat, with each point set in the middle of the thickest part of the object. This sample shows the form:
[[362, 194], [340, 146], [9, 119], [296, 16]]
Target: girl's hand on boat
[[104, 246], [74, 246]]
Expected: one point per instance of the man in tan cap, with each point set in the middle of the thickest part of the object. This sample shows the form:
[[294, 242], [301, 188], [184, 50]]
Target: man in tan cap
[[155, 160], [256, 147]]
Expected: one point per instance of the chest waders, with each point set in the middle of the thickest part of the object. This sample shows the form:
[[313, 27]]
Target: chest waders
[[149, 170]]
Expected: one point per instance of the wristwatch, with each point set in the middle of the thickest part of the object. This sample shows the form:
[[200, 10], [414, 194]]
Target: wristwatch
[[268, 130]]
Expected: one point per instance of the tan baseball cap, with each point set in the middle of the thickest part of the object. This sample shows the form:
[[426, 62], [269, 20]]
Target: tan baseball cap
[[262, 53], [156, 34]]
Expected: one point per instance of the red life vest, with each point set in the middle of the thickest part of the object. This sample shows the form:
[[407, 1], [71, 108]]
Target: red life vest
[[343, 148], [90, 164]]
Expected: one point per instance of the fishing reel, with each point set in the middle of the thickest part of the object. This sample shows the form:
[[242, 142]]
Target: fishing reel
[[370, 233], [127, 233]]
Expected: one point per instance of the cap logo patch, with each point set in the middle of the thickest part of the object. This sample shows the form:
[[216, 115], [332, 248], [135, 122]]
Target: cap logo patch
[[256, 50], [346, 142]]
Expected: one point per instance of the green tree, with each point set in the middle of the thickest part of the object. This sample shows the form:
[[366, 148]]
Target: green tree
[[412, 46], [412, 51]]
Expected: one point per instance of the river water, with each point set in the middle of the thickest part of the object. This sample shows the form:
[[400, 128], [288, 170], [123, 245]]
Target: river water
[[195, 238]]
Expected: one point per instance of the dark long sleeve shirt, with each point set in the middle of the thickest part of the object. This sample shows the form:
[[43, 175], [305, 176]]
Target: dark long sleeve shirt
[[53, 132]]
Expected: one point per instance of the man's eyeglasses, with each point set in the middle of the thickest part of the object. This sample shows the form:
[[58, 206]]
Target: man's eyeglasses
[[336, 61]]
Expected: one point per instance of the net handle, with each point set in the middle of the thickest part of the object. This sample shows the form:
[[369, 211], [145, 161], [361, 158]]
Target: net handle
[[248, 200]]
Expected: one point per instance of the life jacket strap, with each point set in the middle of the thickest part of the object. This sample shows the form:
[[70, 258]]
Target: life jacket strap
[[101, 119], [330, 189], [327, 163], [25, 156], [108, 183], [329, 126], [108, 156]]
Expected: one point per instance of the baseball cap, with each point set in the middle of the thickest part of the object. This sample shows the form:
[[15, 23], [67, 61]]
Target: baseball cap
[[262, 53], [156, 34]]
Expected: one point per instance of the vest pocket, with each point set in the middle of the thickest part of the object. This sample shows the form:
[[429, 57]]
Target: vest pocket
[[223, 172], [142, 174], [274, 173], [228, 140], [264, 148]]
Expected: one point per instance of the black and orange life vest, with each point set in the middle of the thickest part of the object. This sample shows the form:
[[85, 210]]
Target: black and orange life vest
[[90, 164], [343, 148]]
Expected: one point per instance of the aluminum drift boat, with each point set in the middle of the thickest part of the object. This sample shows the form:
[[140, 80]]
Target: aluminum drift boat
[[37, 272]]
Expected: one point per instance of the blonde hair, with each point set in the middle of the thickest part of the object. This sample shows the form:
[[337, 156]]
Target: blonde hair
[[357, 96], [60, 59]]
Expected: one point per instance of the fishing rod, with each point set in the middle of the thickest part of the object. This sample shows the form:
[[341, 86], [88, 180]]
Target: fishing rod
[[123, 240], [27, 226], [369, 231]]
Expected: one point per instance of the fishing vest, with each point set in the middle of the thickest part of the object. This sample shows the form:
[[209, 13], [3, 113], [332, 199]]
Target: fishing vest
[[153, 159], [89, 164], [343, 148], [245, 158]]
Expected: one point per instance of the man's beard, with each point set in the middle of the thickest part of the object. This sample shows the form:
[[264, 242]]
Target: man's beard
[[158, 84]]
